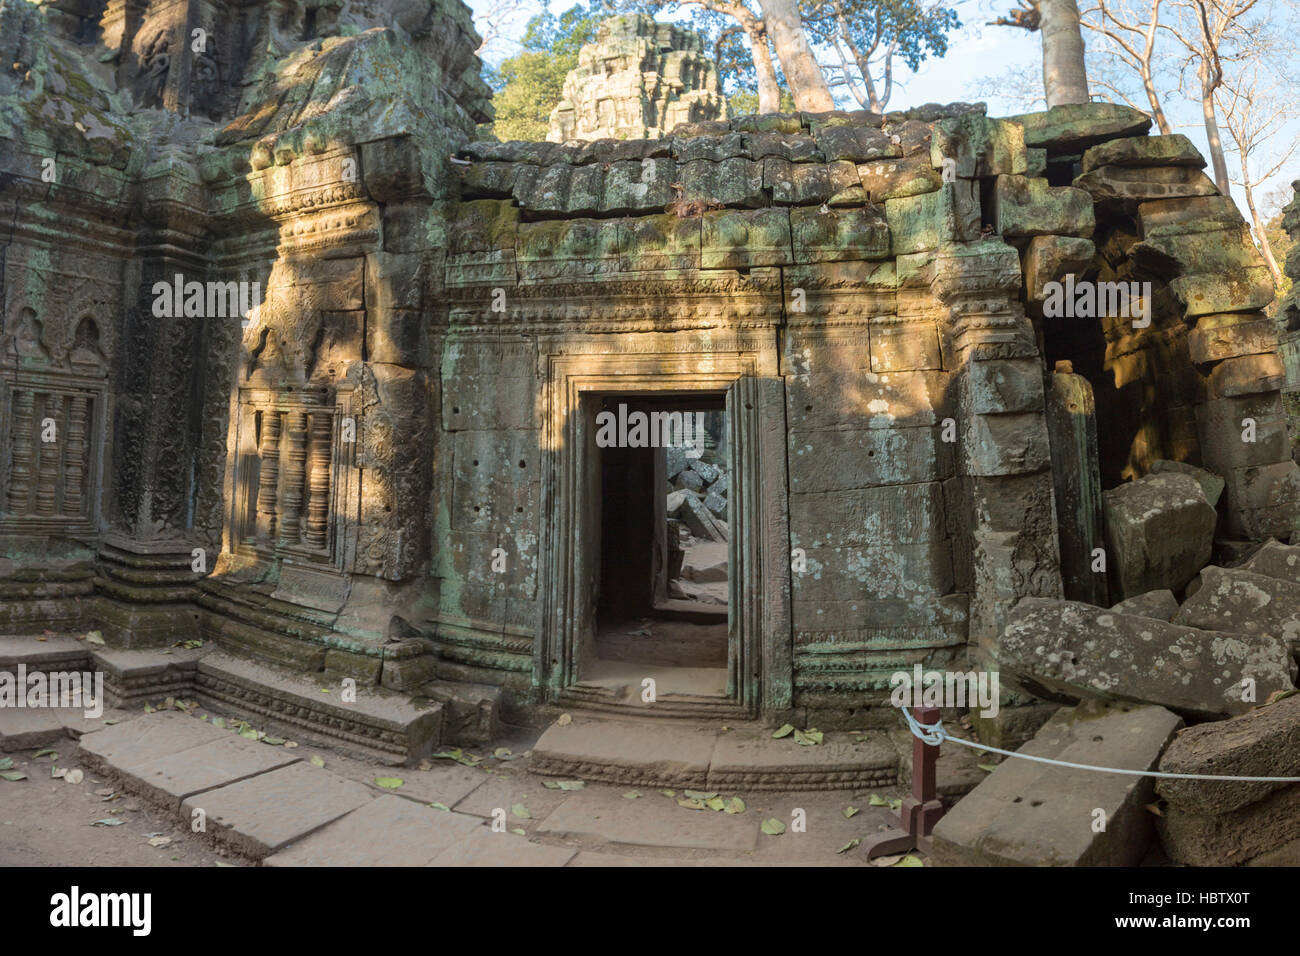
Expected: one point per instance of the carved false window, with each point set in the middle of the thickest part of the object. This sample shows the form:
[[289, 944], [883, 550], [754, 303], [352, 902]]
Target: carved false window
[[292, 473], [52, 414]]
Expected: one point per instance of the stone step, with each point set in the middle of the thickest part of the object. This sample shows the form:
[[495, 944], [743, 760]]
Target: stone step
[[655, 753], [37, 727], [136, 676], [60, 652], [379, 723], [1033, 814]]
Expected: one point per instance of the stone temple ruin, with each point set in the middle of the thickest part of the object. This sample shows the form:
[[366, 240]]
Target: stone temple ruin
[[384, 463], [640, 79]]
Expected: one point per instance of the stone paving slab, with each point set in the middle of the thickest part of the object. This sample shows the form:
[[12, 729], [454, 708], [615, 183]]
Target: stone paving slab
[[54, 653], [260, 815], [483, 847], [386, 831], [139, 743], [626, 752], [447, 784], [505, 791], [170, 779], [653, 820]]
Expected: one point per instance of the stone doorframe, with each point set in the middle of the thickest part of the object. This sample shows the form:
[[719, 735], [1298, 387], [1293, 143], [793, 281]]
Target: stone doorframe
[[760, 648]]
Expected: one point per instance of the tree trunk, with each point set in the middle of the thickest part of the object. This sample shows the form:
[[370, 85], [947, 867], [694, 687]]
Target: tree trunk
[[769, 91], [1212, 136], [1065, 80], [804, 76], [1261, 232]]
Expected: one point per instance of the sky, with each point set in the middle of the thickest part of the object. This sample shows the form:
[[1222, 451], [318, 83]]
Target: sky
[[978, 59]]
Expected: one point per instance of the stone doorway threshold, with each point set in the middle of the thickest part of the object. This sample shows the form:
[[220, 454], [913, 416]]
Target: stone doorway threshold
[[711, 755]]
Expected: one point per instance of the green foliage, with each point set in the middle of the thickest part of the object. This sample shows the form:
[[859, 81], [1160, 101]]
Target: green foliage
[[744, 102], [529, 84]]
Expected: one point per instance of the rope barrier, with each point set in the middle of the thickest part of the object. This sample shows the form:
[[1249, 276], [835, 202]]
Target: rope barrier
[[934, 734]]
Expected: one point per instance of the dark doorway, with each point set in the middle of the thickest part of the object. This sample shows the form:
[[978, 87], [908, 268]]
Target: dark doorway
[[662, 604]]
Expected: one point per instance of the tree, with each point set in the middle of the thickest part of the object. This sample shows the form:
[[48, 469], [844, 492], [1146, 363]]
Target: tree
[[1257, 105], [1129, 32], [802, 72], [1212, 32], [1065, 75], [867, 35], [529, 84]]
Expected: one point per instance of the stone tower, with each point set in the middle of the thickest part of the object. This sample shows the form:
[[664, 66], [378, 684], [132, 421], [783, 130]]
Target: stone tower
[[637, 81]]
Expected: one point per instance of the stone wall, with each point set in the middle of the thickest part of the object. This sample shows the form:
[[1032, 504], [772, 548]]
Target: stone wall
[[385, 469]]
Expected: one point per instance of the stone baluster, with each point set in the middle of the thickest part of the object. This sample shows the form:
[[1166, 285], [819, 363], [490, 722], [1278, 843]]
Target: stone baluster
[[295, 471], [269, 482], [47, 483], [74, 478], [319, 487], [20, 481]]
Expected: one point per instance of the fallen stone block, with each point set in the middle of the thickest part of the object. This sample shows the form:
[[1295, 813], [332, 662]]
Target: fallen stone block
[[674, 503], [706, 471], [688, 480], [716, 504], [1211, 484], [1230, 839], [1276, 560], [1032, 814], [1066, 650], [1262, 743], [1161, 605], [702, 524], [1159, 532], [1233, 599]]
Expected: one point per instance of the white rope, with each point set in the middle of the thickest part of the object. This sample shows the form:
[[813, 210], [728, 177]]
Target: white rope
[[934, 734]]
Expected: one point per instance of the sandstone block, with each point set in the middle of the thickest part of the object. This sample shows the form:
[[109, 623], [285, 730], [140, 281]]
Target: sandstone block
[[1072, 651], [1159, 532], [1032, 814]]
